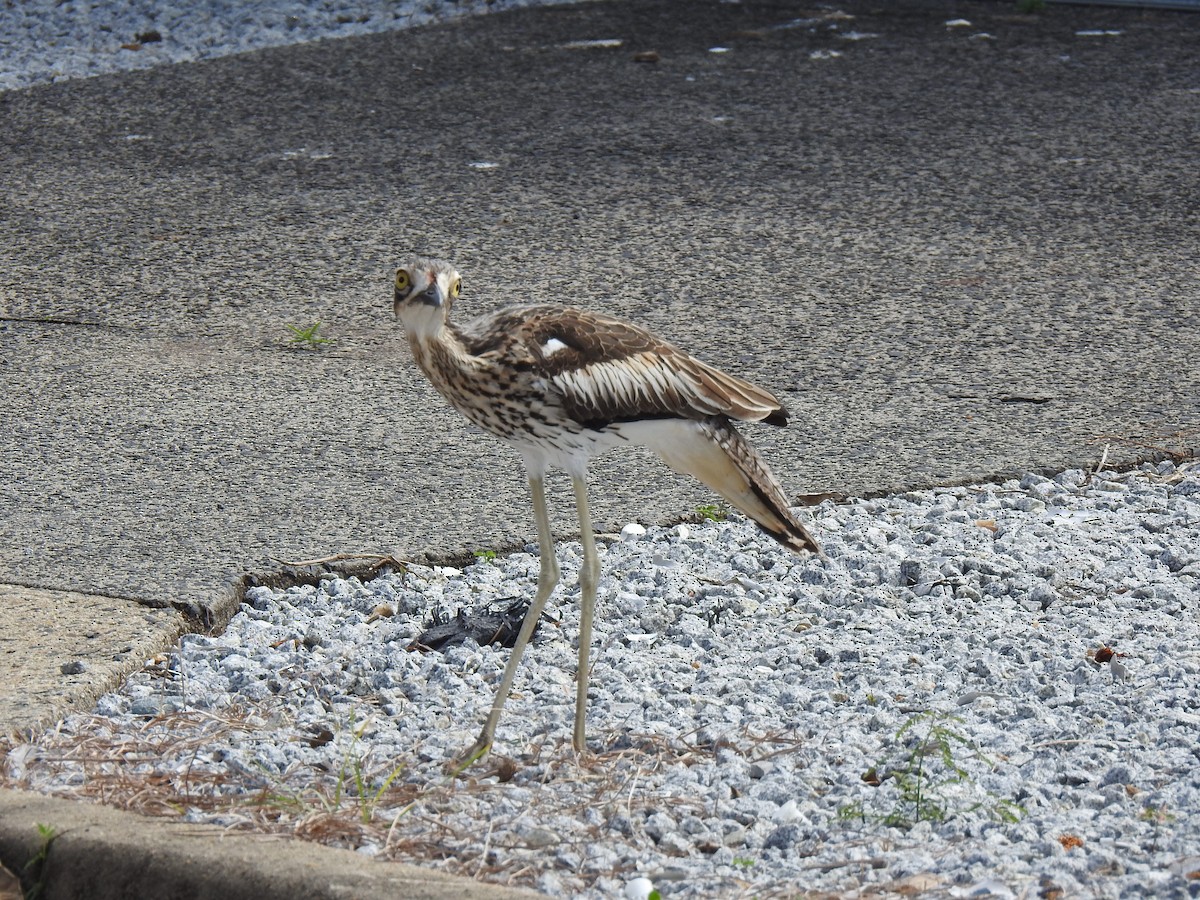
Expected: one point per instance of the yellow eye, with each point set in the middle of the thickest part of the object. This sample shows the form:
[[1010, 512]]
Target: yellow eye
[[455, 288], [402, 280]]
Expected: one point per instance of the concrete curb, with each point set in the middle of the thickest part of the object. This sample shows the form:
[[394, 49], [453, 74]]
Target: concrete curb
[[101, 853]]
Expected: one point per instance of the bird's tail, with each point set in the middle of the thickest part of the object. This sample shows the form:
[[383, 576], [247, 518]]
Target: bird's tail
[[713, 452]]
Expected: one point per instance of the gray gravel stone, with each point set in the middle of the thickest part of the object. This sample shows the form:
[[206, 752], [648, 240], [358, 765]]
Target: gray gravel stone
[[778, 708]]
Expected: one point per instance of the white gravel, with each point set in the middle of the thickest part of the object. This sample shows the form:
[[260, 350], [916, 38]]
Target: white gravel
[[51, 40], [739, 697]]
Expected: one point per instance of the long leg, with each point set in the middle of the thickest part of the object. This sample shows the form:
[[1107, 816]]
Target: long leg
[[589, 575], [547, 579]]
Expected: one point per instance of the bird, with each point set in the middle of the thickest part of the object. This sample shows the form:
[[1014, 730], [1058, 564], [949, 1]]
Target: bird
[[561, 385]]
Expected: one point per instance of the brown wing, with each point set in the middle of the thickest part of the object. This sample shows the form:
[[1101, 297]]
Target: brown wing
[[608, 370]]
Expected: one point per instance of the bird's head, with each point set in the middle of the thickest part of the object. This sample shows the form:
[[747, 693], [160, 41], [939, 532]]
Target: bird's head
[[425, 289]]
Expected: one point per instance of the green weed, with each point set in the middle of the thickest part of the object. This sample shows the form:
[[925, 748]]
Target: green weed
[[925, 777], [34, 869], [1158, 817], [307, 337], [351, 788]]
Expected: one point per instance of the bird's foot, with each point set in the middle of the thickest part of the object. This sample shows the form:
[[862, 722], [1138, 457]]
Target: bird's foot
[[470, 756], [584, 755], [579, 740]]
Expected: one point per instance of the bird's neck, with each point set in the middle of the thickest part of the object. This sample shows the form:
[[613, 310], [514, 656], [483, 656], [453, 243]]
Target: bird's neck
[[441, 352]]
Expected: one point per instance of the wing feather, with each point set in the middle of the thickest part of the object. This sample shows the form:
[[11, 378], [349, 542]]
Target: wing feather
[[608, 370]]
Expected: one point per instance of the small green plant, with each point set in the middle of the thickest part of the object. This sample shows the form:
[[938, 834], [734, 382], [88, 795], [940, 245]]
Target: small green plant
[[744, 862], [920, 784], [366, 797], [1157, 816], [485, 555], [37, 863], [925, 774], [307, 337], [1031, 6], [711, 512], [352, 787]]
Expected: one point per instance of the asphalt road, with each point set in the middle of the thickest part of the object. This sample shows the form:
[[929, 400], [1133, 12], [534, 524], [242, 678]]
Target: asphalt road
[[954, 256]]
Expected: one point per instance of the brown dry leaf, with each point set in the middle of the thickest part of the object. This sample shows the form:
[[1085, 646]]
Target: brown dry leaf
[[1105, 654], [506, 769], [989, 524], [1070, 841], [382, 611], [321, 738], [646, 56]]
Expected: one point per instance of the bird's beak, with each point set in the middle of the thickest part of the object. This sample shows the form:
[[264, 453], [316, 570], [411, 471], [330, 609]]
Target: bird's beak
[[432, 296]]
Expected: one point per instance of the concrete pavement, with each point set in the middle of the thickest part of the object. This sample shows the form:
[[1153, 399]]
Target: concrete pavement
[[956, 252]]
